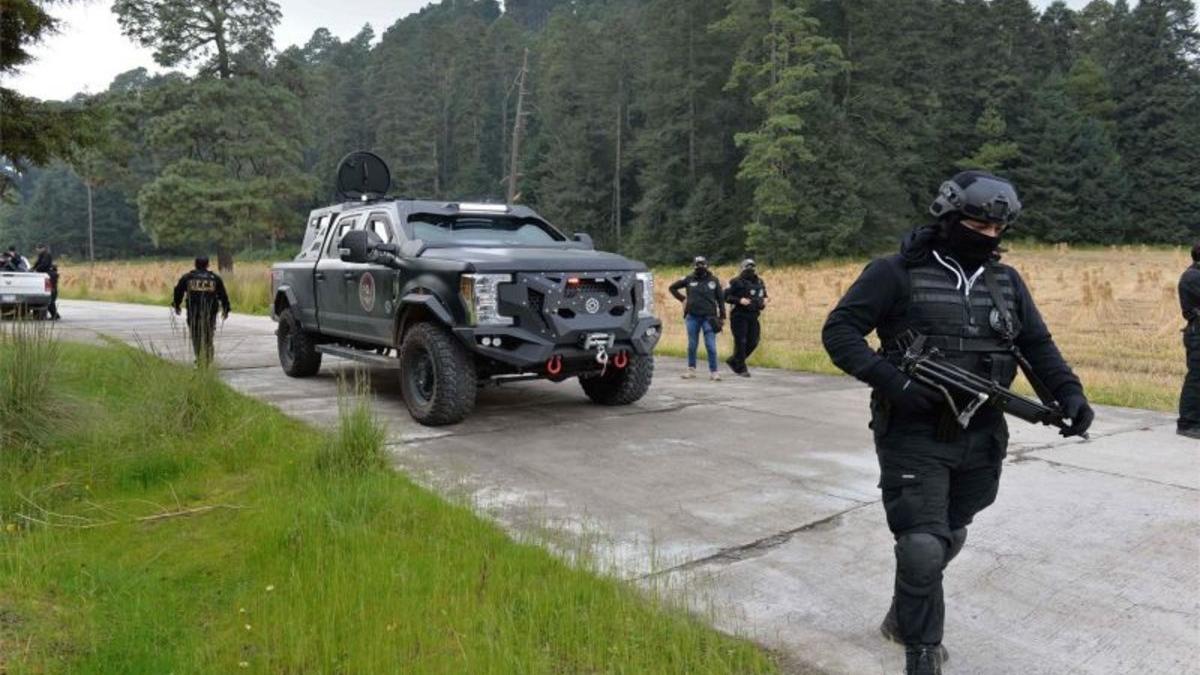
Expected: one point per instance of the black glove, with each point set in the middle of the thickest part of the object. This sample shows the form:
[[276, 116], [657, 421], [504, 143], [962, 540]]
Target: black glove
[[908, 396], [1075, 407]]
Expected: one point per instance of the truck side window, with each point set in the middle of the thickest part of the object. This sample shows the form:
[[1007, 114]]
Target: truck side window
[[381, 227], [343, 226], [319, 224]]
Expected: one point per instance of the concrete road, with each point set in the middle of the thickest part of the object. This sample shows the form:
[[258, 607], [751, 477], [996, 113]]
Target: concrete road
[[757, 499]]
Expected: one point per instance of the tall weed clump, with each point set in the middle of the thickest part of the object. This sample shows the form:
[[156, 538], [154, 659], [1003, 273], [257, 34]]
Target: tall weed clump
[[29, 356], [357, 445], [183, 399]]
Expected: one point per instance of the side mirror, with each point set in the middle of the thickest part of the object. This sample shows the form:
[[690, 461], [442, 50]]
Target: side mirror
[[585, 239], [354, 247]]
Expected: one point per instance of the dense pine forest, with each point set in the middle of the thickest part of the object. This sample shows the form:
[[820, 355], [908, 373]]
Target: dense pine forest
[[790, 129]]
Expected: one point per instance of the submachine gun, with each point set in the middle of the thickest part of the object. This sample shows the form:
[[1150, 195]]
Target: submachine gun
[[967, 392]]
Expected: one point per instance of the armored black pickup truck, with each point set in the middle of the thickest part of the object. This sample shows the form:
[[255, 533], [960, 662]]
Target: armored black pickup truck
[[459, 294]]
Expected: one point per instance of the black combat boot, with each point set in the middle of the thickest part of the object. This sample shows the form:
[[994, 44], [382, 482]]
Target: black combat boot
[[923, 660], [890, 628]]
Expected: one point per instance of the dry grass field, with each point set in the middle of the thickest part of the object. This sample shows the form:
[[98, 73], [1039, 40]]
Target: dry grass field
[[1112, 310], [151, 282]]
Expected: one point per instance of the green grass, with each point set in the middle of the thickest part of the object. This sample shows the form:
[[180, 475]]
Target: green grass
[[289, 551]]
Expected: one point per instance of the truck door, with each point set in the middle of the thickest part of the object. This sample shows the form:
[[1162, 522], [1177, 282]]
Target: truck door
[[369, 289], [329, 283]]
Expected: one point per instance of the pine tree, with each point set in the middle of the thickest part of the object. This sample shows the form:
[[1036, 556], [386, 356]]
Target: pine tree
[[1158, 119], [791, 69]]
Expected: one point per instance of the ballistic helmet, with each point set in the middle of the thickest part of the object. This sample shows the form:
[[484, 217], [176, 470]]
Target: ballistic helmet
[[978, 195], [748, 264], [201, 262], [699, 261]]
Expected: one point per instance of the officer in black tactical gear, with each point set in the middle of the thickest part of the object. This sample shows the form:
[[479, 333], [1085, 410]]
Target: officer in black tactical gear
[[45, 264], [205, 293], [946, 283], [1189, 302], [747, 297]]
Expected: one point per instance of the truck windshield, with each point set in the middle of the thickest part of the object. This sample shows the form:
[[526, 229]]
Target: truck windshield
[[483, 230]]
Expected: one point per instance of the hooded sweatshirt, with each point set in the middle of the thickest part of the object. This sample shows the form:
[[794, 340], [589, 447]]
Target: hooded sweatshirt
[[880, 297]]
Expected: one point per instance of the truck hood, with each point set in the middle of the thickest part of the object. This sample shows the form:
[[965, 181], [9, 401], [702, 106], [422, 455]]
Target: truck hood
[[534, 259]]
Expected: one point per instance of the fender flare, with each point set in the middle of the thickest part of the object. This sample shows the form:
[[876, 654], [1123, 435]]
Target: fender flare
[[425, 300], [289, 296]]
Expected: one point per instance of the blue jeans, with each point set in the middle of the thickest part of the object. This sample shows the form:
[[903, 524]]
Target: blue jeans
[[695, 324]]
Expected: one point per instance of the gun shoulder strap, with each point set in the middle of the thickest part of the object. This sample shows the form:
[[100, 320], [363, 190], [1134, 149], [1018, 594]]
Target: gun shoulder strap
[[1010, 337]]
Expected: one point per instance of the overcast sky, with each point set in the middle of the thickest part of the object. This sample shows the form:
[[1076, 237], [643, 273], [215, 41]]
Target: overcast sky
[[90, 50]]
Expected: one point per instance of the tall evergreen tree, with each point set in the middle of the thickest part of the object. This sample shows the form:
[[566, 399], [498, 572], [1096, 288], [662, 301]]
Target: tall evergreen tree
[[1158, 119], [791, 69]]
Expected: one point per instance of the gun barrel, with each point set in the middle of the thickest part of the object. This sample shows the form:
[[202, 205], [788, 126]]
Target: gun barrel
[[948, 376]]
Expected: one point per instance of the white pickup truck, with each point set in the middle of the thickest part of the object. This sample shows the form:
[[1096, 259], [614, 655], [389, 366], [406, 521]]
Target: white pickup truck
[[24, 292]]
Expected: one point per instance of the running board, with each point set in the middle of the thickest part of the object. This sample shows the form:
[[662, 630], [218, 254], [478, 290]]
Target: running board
[[369, 358]]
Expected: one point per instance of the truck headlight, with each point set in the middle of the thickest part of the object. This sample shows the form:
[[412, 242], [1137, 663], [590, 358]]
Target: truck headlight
[[646, 293], [481, 297]]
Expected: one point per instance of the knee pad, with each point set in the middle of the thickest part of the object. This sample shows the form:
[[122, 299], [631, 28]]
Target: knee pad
[[957, 539], [920, 558]]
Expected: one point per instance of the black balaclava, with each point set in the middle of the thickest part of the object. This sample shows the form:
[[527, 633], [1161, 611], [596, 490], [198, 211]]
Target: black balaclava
[[700, 267], [970, 248]]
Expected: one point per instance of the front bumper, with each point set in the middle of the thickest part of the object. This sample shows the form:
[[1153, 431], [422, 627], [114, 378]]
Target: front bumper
[[525, 350], [554, 313]]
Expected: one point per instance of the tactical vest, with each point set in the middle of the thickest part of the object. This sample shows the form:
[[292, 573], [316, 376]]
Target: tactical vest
[[965, 324], [202, 293]]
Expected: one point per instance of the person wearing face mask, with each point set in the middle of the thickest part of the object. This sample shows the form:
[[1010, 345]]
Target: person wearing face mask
[[747, 297], [703, 313], [947, 283], [1189, 302]]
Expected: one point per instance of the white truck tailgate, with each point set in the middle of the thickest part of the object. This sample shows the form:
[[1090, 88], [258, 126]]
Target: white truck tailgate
[[24, 288]]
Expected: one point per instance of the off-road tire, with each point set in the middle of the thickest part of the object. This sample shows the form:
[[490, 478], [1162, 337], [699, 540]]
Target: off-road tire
[[437, 375], [297, 351], [621, 386]]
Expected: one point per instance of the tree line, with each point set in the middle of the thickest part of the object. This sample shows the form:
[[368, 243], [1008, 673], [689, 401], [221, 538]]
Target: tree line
[[788, 129]]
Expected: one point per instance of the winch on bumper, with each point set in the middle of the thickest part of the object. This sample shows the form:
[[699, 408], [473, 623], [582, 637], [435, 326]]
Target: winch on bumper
[[565, 323]]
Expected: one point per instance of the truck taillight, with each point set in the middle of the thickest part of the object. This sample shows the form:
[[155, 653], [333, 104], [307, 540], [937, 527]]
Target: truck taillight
[[49, 286]]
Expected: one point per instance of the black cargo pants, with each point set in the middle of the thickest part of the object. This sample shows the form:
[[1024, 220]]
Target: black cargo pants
[[931, 492], [746, 331], [1189, 397], [202, 328]]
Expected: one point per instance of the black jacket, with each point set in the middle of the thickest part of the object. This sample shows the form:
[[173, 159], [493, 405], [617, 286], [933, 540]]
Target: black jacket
[[204, 291], [704, 295], [880, 297], [753, 289], [1189, 293], [45, 264]]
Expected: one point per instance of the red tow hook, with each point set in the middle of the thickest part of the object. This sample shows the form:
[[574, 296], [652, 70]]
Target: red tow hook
[[554, 364], [620, 360]]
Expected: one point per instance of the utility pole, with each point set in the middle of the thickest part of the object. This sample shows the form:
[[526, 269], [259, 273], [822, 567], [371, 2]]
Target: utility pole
[[91, 224], [617, 164], [518, 126]]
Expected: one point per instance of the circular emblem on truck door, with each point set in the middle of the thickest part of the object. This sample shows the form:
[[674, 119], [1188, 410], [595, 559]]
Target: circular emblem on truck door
[[366, 292], [592, 305]]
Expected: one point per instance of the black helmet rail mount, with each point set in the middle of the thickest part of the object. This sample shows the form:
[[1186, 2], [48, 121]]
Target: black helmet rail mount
[[979, 196], [362, 176]]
